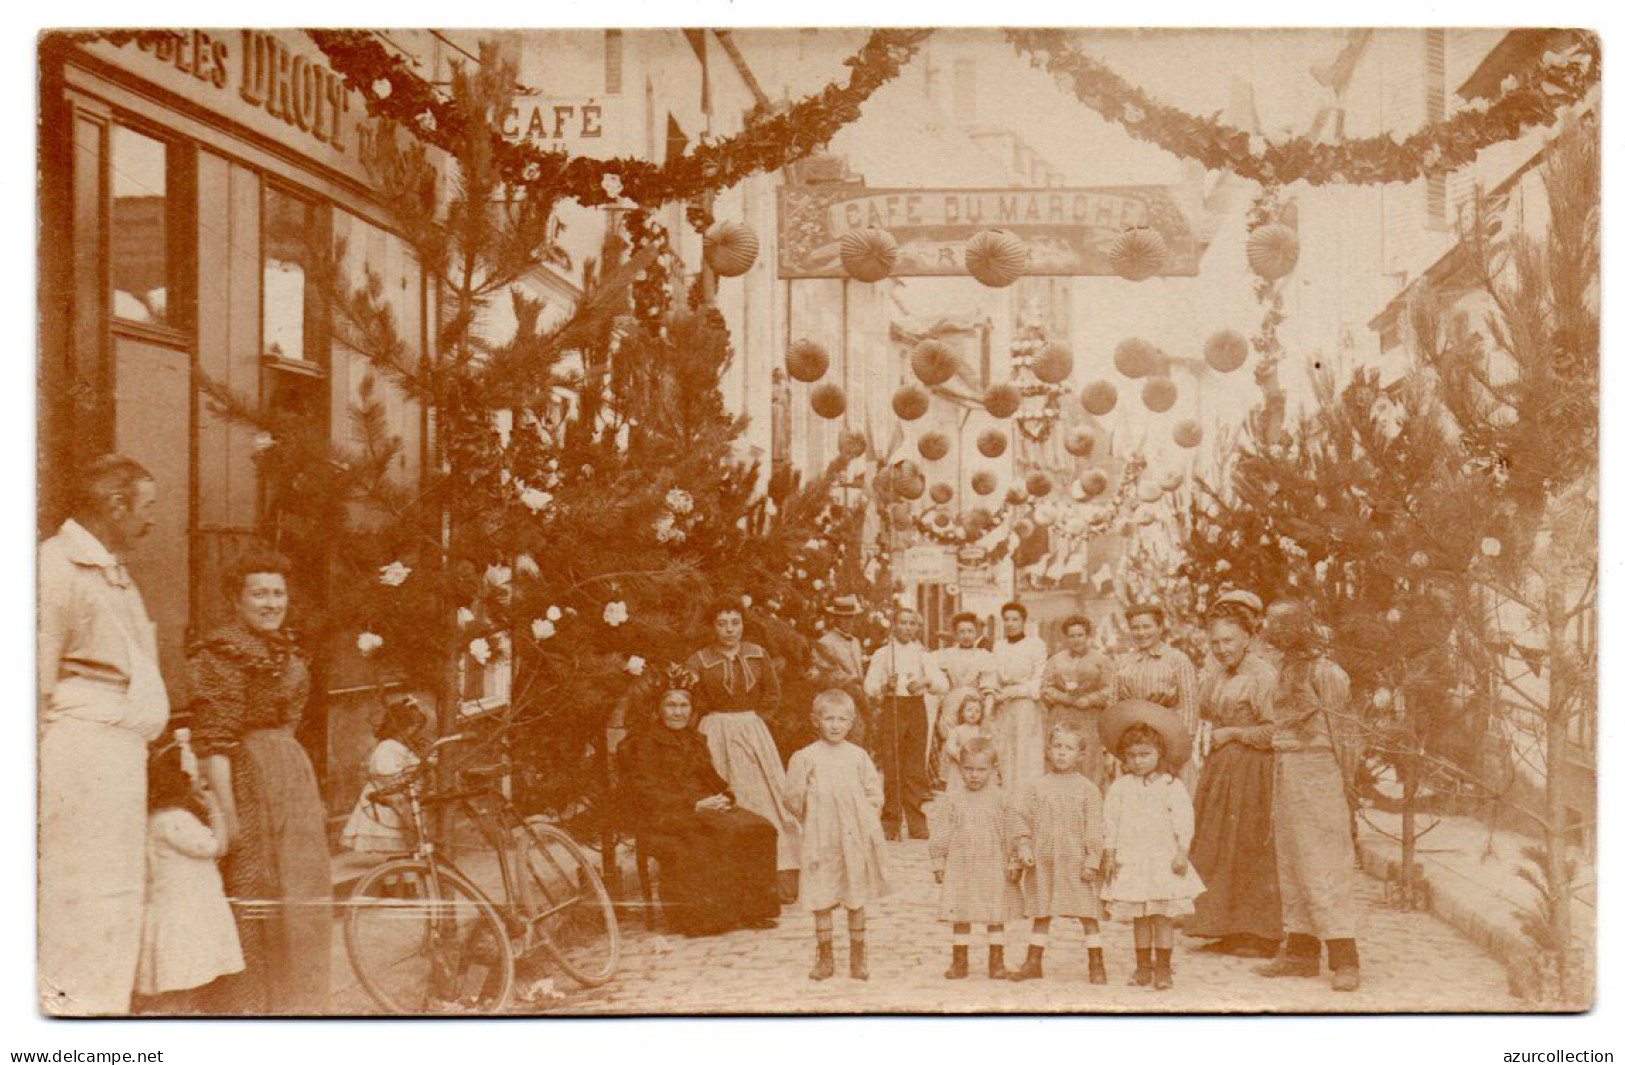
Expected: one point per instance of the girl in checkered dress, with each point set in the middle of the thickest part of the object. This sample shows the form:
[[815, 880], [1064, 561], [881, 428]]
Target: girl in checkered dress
[[969, 856]]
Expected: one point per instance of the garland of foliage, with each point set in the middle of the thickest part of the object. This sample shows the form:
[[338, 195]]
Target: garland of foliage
[[392, 91], [1526, 100]]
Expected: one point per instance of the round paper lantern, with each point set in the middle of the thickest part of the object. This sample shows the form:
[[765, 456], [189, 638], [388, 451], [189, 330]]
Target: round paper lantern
[[851, 445], [1002, 400], [983, 483], [806, 361], [1136, 358], [1054, 363], [1039, 484], [1148, 491], [978, 522], [910, 487], [1023, 528], [992, 442], [1272, 251], [933, 363], [910, 403], [1159, 394], [886, 482], [1138, 254], [1147, 518], [730, 248], [868, 255], [1098, 397], [941, 493], [909, 468], [996, 257], [1093, 481], [1171, 480], [828, 401], [933, 447], [1188, 433], [1045, 514], [1016, 496], [1225, 350], [1080, 442], [1075, 490]]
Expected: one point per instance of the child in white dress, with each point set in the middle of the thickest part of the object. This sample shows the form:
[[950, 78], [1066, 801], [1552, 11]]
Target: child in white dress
[[188, 933], [376, 825], [970, 851], [1149, 824], [971, 724], [834, 788], [1056, 831]]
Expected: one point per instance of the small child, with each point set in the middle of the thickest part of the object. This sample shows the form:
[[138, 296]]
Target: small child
[[835, 789], [970, 725], [188, 933], [376, 826], [1149, 823], [1056, 832], [969, 849]]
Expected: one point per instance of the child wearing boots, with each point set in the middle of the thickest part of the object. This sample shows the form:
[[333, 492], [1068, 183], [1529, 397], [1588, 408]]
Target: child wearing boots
[[1149, 823], [969, 848], [833, 786], [1055, 829]]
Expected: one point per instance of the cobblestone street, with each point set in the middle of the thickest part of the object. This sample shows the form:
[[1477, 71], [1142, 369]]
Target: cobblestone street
[[1410, 962]]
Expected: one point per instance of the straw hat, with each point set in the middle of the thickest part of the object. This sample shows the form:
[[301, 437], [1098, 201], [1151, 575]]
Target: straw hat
[[1176, 738], [844, 606], [1242, 598]]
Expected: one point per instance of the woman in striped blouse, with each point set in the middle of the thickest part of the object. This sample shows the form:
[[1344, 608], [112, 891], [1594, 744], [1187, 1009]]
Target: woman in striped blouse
[[1158, 673]]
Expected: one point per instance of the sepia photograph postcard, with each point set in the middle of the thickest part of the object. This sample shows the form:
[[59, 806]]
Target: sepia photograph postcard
[[713, 521]]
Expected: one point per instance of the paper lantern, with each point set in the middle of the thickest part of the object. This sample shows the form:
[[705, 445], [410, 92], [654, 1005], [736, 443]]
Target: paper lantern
[[1002, 400], [885, 483], [983, 483], [806, 361], [1054, 364], [910, 403], [933, 363], [1272, 251], [1188, 433], [996, 257], [828, 401], [1099, 397], [730, 248], [1045, 514], [909, 468], [1159, 394], [1080, 442], [851, 445], [1075, 490], [978, 522], [1023, 528], [933, 447], [910, 486], [1136, 358], [992, 442], [1039, 484], [868, 255], [1171, 480], [1225, 350], [1148, 491], [1138, 254], [941, 493], [1093, 482], [1016, 496], [1146, 518]]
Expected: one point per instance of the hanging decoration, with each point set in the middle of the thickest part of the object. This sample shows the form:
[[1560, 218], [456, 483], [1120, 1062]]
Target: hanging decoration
[[851, 445], [806, 361], [910, 403], [1225, 351], [984, 483], [1017, 495], [933, 362], [1039, 484], [1002, 399], [1171, 480], [1188, 433], [1053, 365], [1159, 394], [1093, 482], [1079, 442], [1149, 491], [910, 485], [1272, 251], [1534, 98], [1099, 397], [391, 90], [828, 401], [992, 442], [868, 255], [996, 257], [941, 529], [1135, 358], [933, 447], [942, 493], [731, 248], [1138, 254]]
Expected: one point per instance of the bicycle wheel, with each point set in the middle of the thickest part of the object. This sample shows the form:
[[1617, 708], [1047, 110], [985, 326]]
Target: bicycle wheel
[[567, 906], [425, 940]]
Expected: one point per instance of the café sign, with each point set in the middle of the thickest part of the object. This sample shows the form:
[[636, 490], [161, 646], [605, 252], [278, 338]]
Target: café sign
[[1068, 231]]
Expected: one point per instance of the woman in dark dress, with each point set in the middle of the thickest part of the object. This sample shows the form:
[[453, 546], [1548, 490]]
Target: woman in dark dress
[[717, 861], [249, 686], [1233, 849]]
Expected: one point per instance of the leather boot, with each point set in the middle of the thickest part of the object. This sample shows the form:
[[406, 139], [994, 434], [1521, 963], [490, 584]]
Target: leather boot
[[824, 964], [1344, 960], [1162, 976], [1299, 957], [1142, 967], [1033, 967], [995, 963], [960, 968], [858, 962], [1097, 965]]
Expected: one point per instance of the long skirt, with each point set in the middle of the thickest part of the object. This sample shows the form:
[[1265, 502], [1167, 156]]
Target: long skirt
[[717, 870], [1234, 846], [1314, 849], [92, 865], [1018, 735], [743, 753], [278, 879]]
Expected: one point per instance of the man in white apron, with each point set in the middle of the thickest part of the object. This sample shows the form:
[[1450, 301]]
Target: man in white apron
[[102, 701]]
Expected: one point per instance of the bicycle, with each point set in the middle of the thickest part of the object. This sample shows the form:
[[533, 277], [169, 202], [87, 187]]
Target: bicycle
[[423, 937]]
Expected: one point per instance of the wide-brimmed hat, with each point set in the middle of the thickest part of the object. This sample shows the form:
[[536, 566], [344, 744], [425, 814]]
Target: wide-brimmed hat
[[844, 606], [1239, 597], [1176, 738]]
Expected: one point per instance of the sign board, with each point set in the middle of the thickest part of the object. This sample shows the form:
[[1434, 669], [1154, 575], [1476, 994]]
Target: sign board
[[1069, 232], [930, 564], [580, 125]]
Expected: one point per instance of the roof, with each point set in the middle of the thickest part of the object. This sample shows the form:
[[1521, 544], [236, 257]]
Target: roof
[[1517, 51]]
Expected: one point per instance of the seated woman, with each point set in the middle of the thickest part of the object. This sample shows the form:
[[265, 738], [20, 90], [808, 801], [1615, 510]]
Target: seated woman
[[718, 863]]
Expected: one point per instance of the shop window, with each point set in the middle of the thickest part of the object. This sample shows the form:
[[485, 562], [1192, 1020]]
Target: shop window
[[486, 685], [294, 242], [147, 253]]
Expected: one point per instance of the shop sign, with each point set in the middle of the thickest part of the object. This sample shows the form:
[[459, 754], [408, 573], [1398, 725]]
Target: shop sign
[[579, 125], [930, 564]]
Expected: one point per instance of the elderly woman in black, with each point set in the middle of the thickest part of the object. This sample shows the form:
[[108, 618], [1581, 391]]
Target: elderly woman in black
[[717, 861]]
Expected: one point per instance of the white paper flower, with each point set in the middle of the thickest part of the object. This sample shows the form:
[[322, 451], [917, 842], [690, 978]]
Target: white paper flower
[[263, 442], [1394, 616], [1222, 566], [479, 649], [1420, 560], [1256, 144], [818, 584], [1509, 83], [382, 88], [426, 120], [1321, 568], [532, 171], [612, 186], [526, 566], [634, 666], [542, 629], [554, 613], [394, 574], [368, 642], [667, 532], [498, 575], [1490, 546], [1382, 698], [679, 501], [465, 616], [535, 500], [745, 601], [1132, 114], [615, 614]]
